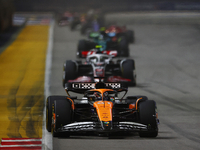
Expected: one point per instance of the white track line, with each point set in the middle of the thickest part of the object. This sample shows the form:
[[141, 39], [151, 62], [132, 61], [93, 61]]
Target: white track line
[[47, 137], [21, 140]]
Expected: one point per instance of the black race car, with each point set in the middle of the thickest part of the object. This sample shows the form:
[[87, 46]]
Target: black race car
[[120, 31], [106, 43], [100, 111], [100, 65]]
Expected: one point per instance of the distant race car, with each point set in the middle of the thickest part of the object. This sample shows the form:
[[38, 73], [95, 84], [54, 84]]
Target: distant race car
[[66, 19], [100, 65], [100, 111], [90, 21], [107, 43], [120, 31]]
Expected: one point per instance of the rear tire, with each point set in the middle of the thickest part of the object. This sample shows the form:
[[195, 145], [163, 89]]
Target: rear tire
[[84, 28], [82, 46], [130, 36], [74, 24], [128, 68], [63, 115], [123, 48], [147, 115], [70, 71]]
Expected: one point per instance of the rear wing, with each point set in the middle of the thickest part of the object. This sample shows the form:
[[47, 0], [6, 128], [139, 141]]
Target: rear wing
[[82, 87], [113, 53]]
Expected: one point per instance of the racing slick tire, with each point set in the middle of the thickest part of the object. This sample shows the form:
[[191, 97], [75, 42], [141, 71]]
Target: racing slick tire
[[84, 28], [130, 36], [63, 115], [128, 68], [70, 72], [82, 46], [147, 116], [49, 112], [74, 24], [123, 47]]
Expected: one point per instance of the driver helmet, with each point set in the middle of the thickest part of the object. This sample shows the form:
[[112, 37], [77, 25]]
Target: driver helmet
[[111, 34], [105, 94], [97, 95], [100, 37]]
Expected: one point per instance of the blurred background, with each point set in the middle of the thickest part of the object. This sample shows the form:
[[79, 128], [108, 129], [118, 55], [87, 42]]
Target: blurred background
[[111, 5], [8, 7]]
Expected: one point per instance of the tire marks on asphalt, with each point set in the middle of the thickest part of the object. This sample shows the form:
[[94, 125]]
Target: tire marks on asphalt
[[173, 102], [178, 106], [183, 71], [191, 136], [22, 67], [171, 87]]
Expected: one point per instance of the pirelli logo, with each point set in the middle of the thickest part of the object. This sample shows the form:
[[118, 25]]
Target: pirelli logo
[[92, 85]]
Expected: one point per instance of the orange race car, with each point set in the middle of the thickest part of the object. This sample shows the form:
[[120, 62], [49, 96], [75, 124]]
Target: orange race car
[[100, 111]]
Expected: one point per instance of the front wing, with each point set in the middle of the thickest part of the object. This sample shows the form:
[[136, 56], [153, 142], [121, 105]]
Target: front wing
[[92, 126]]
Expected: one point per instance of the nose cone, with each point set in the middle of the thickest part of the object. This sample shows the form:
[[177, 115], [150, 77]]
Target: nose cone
[[104, 110], [106, 125]]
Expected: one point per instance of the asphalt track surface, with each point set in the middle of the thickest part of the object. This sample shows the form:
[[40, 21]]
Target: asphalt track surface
[[166, 52]]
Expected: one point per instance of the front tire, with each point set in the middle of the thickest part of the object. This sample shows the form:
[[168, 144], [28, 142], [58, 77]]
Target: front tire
[[63, 115], [147, 116], [49, 103]]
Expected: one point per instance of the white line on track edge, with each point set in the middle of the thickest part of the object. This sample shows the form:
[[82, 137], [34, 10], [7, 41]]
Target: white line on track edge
[[46, 136]]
